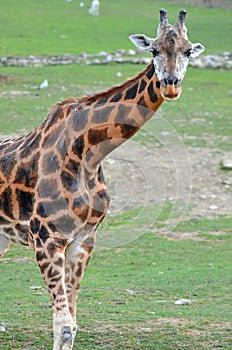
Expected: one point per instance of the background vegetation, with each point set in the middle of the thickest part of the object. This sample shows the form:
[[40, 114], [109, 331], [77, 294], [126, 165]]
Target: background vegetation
[[127, 296]]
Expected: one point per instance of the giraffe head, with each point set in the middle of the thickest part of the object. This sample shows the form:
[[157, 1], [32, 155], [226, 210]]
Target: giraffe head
[[171, 52]]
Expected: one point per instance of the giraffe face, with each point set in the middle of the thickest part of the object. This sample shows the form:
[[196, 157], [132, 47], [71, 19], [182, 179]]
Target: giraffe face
[[171, 52]]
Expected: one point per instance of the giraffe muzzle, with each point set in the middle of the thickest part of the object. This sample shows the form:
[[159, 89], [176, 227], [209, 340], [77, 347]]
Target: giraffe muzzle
[[170, 88]]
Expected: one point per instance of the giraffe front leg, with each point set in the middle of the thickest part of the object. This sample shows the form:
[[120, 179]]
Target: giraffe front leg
[[64, 332], [50, 255], [76, 260]]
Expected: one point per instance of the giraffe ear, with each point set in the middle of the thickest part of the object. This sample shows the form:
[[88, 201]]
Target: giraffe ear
[[141, 41], [197, 49]]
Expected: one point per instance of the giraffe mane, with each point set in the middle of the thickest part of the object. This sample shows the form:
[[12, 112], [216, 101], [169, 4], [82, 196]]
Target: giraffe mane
[[115, 89]]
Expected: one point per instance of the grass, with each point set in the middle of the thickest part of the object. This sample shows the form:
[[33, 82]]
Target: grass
[[55, 26], [127, 297], [128, 293], [221, 224]]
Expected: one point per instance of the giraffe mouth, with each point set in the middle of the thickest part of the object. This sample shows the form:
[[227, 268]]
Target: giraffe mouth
[[171, 98], [170, 92]]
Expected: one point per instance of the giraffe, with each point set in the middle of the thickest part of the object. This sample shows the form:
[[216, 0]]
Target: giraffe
[[52, 190]]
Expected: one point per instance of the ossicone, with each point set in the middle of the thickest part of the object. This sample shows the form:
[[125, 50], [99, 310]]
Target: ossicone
[[181, 18], [163, 18]]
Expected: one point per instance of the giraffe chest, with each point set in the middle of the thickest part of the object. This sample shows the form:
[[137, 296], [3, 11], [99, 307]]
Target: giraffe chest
[[86, 196]]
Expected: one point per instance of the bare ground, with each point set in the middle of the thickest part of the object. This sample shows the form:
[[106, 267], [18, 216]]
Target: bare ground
[[140, 177]]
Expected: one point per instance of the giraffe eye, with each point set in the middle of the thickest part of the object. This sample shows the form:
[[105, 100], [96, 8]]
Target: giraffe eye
[[188, 53], [154, 52]]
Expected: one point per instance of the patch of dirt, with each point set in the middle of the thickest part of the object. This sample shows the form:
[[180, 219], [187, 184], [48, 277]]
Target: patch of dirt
[[220, 326], [174, 321], [14, 93], [18, 93], [183, 235], [6, 79], [138, 176]]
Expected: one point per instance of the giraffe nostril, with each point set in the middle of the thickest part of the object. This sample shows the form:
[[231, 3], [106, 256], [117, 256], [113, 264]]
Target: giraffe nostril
[[170, 81], [166, 82]]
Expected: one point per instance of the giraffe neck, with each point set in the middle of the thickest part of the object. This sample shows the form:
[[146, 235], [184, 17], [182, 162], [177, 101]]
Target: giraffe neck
[[112, 117], [142, 90]]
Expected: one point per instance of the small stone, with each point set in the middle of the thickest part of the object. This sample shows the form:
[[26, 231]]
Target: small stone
[[102, 54], [35, 287], [227, 164], [131, 292], [96, 61], [203, 196], [131, 52], [44, 84], [110, 161], [213, 207], [182, 302], [38, 293], [164, 133], [2, 329], [226, 182], [210, 265]]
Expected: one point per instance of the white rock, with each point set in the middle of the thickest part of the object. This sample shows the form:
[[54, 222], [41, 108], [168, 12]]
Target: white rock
[[35, 287], [182, 302], [227, 164], [118, 74], [44, 84], [203, 196], [164, 133], [110, 161], [2, 329], [213, 207], [131, 52]]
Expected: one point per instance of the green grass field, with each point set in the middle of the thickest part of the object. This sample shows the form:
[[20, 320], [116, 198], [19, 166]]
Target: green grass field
[[128, 293], [127, 297], [55, 26]]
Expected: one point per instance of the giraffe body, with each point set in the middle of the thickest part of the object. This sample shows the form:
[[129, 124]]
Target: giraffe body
[[52, 190]]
